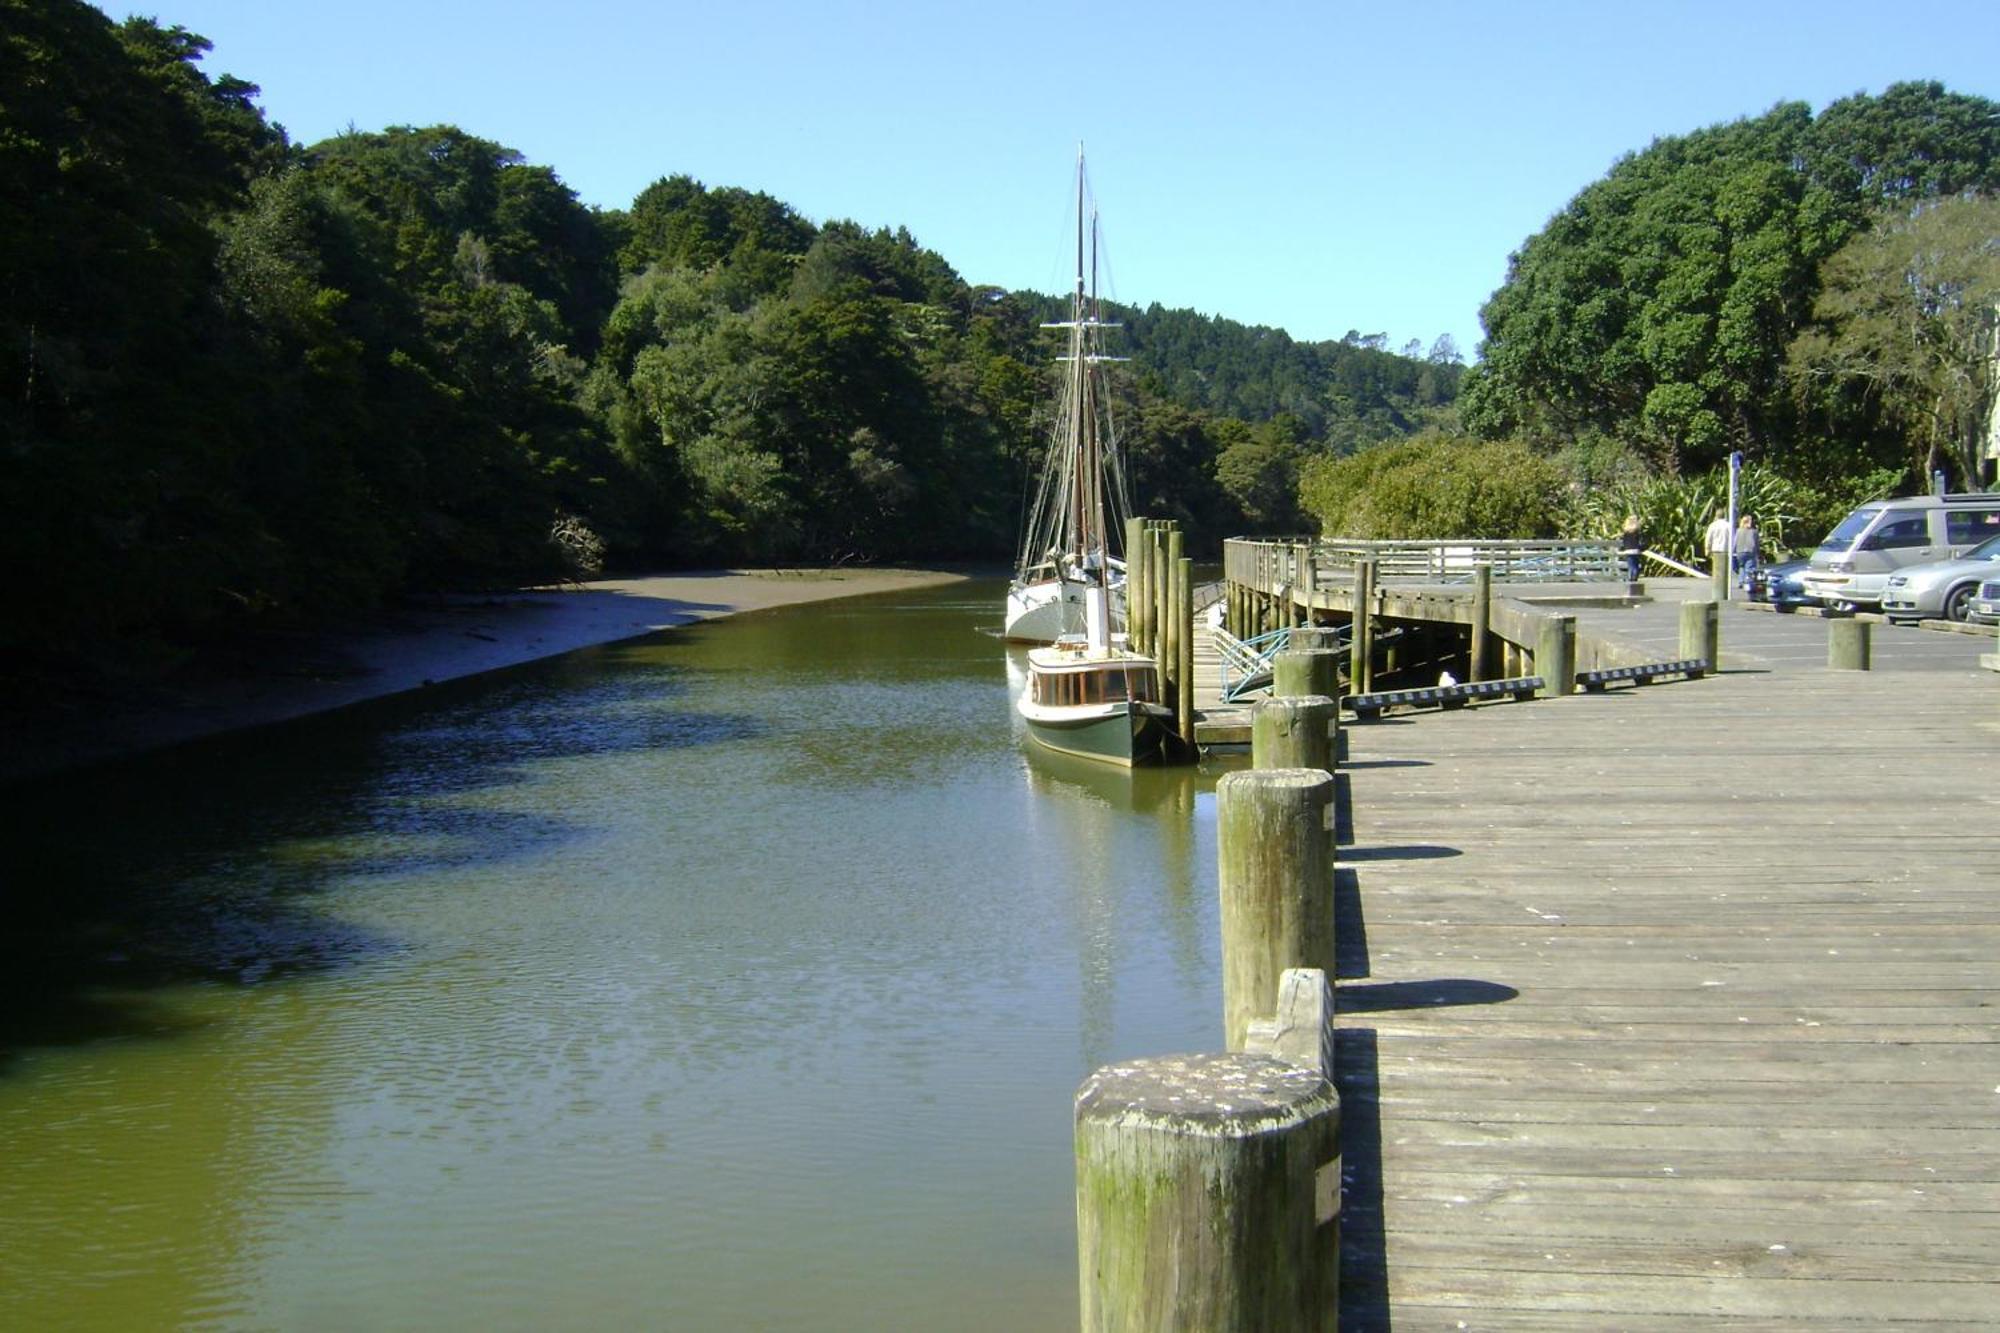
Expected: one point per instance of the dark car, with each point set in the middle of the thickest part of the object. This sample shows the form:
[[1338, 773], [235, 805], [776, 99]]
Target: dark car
[[1780, 584]]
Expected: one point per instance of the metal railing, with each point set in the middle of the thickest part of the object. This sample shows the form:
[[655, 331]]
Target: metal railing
[[1246, 663]]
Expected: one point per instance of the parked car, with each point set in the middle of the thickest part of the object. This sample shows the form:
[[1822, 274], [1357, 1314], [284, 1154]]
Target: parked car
[[1985, 606], [1852, 566], [1782, 584], [1943, 589]]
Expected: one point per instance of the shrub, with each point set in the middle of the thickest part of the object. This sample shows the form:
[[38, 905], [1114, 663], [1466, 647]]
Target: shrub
[[1676, 511], [579, 551], [1435, 486]]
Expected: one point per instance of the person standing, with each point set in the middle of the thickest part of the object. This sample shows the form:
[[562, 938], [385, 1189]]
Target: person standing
[[1717, 541], [1632, 545], [1746, 550]]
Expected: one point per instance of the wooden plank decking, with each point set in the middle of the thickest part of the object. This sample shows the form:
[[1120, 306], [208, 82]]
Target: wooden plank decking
[[1675, 1008]]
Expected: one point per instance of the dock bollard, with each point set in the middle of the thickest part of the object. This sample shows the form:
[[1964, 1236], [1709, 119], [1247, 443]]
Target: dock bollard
[[1295, 731], [1298, 671], [1274, 853], [1848, 645], [1555, 656], [1699, 632], [1482, 623], [1208, 1196]]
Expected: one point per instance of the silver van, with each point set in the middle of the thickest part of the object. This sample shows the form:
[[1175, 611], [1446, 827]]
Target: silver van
[[1854, 562]]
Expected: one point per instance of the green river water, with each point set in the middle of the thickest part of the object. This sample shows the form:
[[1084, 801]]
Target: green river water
[[738, 978]]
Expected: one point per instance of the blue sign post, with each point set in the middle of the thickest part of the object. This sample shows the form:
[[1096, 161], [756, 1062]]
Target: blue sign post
[[1735, 481]]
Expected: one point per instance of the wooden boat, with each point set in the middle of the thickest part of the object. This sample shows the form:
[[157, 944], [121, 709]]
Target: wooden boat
[[1088, 696], [1080, 506]]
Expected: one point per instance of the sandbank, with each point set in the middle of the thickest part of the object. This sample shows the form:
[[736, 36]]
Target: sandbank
[[421, 644]]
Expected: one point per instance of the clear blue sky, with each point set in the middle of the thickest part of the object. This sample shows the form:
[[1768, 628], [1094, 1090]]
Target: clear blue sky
[[1315, 166]]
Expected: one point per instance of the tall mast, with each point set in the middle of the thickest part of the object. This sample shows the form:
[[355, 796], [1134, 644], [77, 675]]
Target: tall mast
[[1080, 408], [1097, 444]]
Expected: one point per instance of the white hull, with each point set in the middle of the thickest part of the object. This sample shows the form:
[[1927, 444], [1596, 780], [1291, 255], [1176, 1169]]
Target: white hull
[[1043, 612]]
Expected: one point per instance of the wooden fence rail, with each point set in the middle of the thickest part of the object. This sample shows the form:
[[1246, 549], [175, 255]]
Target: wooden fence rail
[[1302, 563]]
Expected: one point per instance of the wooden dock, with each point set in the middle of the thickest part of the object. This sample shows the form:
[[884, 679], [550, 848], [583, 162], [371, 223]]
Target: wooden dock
[[1675, 1007]]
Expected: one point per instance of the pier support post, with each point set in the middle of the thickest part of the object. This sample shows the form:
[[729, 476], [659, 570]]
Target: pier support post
[[1482, 621], [1309, 565], [1184, 650], [1361, 669], [1294, 732], [1208, 1196], [1135, 584], [1848, 645], [1275, 876], [1156, 639], [1555, 656], [1700, 625]]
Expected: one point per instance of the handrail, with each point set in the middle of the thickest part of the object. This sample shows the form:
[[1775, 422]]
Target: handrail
[[1291, 562], [1247, 663], [1672, 563]]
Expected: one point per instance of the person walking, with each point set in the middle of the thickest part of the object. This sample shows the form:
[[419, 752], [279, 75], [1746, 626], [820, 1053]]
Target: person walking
[[1744, 559], [1717, 542], [1719, 537], [1632, 545]]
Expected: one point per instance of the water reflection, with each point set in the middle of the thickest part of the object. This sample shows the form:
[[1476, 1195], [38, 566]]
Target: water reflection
[[736, 977]]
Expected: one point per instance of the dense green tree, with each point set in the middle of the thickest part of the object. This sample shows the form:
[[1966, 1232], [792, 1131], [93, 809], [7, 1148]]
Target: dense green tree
[[1657, 306], [677, 222], [241, 379], [1908, 315], [1257, 467], [117, 506]]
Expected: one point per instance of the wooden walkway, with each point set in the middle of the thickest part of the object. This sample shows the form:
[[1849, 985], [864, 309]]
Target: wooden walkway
[[1675, 1008]]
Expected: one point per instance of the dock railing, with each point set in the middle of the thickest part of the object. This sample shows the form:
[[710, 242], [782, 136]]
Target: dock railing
[[1309, 561]]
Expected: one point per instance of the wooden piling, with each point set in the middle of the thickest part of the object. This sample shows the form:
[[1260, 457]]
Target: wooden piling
[[1275, 877], [1309, 578], [1699, 626], [1361, 670], [1301, 1031], [1848, 645], [1555, 656], [1170, 617], [1184, 650], [1306, 671], [1482, 621], [1137, 585], [1208, 1196], [1294, 732]]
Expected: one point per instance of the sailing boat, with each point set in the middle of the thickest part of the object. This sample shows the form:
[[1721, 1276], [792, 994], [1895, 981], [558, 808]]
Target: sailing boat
[[1086, 693], [1081, 503]]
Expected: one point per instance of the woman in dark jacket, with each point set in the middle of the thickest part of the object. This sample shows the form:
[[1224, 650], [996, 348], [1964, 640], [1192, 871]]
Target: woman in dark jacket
[[1631, 545]]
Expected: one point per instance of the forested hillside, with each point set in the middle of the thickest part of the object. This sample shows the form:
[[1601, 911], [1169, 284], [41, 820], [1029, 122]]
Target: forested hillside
[[242, 378], [1702, 297], [247, 381], [1820, 293]]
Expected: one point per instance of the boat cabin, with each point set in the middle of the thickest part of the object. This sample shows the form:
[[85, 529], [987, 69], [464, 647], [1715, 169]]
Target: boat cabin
[[1087, 682]]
